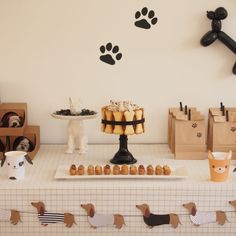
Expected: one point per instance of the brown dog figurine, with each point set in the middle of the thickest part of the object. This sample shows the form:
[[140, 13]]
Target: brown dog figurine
[[155, 220], [99, 220], [199, 218], [50, 217]]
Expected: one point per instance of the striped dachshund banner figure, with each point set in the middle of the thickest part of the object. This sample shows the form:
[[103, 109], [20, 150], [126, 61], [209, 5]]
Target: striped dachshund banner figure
[[46, 217], [152, 220]]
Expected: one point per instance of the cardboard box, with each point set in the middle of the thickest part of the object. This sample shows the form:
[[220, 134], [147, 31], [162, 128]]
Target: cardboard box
[[18, 108], [33, 134]]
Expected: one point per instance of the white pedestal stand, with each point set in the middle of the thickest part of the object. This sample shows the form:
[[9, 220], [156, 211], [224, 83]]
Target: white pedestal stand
[[77, 138]]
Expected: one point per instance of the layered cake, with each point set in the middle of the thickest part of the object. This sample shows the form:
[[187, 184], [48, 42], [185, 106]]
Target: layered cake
[[123, 118]]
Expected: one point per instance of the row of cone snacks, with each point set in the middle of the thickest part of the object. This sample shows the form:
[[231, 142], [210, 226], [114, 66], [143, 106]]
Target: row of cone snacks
[[189, 135]]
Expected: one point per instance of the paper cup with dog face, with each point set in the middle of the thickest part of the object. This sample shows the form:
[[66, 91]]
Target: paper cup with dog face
[[15, 161], [219, 163]]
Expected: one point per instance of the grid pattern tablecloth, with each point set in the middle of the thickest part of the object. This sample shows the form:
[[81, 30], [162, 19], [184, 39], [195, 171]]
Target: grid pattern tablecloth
[[114, 196]]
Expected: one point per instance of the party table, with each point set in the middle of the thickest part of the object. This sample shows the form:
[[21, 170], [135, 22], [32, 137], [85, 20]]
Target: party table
[[111, 196]]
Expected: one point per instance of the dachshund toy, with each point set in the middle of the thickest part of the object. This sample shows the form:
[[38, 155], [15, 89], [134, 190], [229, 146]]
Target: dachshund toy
[[98, 220], [199, 218], [155, 220], [46, 217]]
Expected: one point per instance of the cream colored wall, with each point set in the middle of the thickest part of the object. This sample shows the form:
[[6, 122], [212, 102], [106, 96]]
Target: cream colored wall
[[49, 50]]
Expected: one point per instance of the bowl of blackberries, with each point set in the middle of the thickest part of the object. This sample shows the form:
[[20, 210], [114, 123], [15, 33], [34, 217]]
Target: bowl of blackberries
[[83, 112]]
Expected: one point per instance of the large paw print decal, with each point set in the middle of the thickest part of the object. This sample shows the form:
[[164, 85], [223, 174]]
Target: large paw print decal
[[145, 19], [112, 54]]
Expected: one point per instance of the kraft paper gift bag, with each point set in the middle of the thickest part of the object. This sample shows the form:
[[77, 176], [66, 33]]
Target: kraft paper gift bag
[[172, 114], [223, 132], [176, 113], [190, 138]]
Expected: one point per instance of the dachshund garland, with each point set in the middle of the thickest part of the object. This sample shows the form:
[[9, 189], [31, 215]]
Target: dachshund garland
[[96, 220]]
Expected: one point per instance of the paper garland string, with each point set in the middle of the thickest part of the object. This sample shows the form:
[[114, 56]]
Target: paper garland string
[[117, 220]]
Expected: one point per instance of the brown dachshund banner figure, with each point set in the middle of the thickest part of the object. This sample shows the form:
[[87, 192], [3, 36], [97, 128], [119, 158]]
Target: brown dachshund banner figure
[[199, 218], [46, 217], [99, 220], [210, 37], [152, 220]]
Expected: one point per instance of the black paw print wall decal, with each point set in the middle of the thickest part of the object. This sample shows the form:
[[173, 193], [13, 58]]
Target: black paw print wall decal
[[145, 19], [110, 53]]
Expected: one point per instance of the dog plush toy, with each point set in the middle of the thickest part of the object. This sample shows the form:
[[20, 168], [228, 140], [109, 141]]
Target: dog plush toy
[[23, 144], [11, 119]]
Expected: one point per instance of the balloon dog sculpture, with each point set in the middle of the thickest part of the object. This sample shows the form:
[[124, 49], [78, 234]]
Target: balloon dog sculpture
[[210, 37]]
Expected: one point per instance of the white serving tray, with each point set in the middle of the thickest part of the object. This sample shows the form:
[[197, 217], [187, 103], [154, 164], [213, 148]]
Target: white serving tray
[[80, 117], [62, 172]]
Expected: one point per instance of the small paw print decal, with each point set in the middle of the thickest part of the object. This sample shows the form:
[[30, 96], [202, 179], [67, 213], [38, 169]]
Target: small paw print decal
[[233, 129], [145, 19], [194, 125], [199, 134], [110, 54]]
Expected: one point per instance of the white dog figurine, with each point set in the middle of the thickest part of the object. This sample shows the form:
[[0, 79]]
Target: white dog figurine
[[77, 138]]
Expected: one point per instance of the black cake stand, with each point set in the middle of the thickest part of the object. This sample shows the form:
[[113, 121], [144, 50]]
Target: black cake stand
[[123, 156]]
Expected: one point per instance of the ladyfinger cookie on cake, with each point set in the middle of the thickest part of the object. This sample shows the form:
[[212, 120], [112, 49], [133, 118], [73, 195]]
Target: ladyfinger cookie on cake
[[129, 116], [109, 117], [103, 114], [139, 127], [118, 116]]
